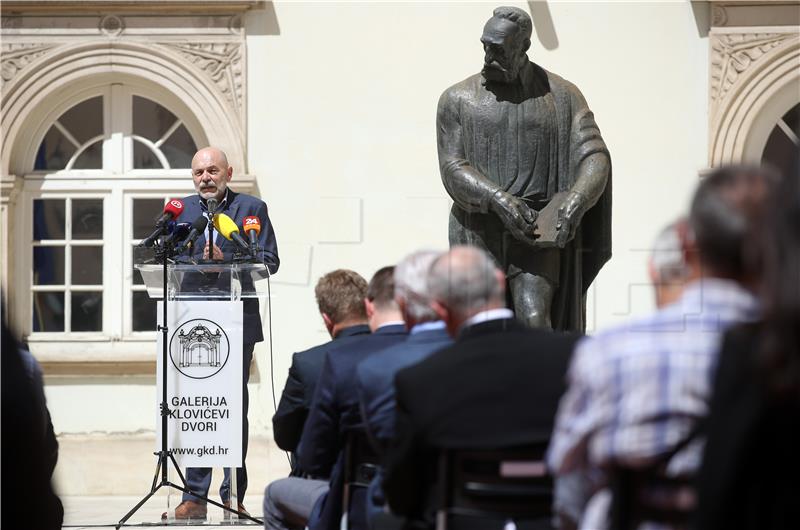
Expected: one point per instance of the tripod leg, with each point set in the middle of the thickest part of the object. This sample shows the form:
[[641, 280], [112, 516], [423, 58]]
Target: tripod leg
[[135, 508], [155, 477], [178, 470]]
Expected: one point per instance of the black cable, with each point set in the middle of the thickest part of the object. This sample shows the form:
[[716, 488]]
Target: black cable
[[272, 356]]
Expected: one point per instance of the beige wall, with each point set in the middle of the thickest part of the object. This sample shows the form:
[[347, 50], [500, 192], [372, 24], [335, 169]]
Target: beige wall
[[341, 110], [341, 113]]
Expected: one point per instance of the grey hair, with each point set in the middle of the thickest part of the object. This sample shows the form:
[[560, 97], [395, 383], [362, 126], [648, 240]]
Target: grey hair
[[667, 256], [518, 17], [465, 280], [411, 284]]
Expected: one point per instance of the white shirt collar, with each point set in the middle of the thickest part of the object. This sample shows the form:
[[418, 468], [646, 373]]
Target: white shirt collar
[[485, 316], [391, 323]]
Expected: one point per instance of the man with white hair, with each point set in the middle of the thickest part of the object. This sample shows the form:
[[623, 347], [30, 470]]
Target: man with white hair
[[497, 385], [375, 375], [667, 266]]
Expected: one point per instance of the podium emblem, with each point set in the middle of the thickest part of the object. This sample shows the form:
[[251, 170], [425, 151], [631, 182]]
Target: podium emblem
[[199, 348]]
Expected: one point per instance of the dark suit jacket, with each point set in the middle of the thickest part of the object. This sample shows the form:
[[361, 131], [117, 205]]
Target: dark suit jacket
[[237, 206], [375, 386], [499, 385], [750, 475], [334, 412], [375, 379], [288, 421]]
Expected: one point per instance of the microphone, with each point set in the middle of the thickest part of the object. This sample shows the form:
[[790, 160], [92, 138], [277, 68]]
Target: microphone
[[198, 226], [252, 227], [178, 231], [212, 206], [172, 209], [227, 227]]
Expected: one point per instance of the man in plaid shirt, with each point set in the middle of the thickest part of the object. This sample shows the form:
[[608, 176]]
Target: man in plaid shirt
[[637, 390]]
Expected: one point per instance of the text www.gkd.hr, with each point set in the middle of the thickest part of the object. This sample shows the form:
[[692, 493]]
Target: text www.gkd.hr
[[203, 450]]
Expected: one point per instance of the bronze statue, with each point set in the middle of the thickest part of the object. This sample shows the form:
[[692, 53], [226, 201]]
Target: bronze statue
[[529, 174]]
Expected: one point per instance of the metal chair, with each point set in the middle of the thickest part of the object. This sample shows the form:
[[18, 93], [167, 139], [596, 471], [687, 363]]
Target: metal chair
[[505, 484], [360, 465], [648, 494]]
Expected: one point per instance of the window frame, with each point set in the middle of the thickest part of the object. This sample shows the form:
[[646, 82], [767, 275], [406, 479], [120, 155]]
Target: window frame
[[117, 184], [68, 243]]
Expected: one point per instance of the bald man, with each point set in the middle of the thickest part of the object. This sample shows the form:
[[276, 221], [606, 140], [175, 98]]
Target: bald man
[[211, 174], [497, 385]]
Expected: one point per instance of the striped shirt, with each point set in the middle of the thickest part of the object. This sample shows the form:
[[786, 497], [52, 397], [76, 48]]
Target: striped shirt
[[636, 390]]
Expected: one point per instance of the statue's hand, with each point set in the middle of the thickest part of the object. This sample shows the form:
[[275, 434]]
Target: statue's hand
[[516, 216], [569, 218]]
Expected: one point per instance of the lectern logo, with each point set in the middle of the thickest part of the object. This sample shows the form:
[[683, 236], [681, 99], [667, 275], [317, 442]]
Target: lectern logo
[[199, 348]]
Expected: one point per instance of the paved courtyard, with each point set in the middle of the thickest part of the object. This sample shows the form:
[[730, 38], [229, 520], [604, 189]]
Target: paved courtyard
[[88, 512]]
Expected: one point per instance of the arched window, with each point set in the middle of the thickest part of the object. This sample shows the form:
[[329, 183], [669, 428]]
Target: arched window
[[784, 141], [103, 169]]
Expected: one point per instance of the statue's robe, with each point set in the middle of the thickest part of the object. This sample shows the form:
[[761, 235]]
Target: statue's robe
[[532, 148]]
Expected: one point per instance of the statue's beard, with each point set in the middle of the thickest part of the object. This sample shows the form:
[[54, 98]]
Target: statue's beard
[[495, 72]]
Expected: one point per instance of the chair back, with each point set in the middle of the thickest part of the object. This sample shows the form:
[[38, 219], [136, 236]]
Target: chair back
[[504, 483], [360, 464], [650, 495]]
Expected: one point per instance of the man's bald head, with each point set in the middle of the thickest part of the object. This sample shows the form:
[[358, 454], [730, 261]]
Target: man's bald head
[[211, 172], [464, 282]]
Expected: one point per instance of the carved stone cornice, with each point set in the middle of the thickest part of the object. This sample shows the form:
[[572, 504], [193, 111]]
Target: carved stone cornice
[[221, 62], [212, 44], [14, 57], [751, 13], [732, 54], [129, 6]]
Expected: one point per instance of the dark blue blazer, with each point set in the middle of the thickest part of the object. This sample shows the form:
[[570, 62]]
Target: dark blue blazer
[[288, 421], [334, 412], [375, 378], [237, 206], [375, 386]]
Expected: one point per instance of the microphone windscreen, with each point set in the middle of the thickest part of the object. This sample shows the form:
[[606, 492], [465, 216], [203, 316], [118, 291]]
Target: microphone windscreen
[[174, 207], [250, 223], [225, 225], [200, 223], [181, 230]]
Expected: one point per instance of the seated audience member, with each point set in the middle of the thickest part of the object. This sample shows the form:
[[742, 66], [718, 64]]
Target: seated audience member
[[29, 447], [668, 274], [497, 386], [637, 391], [288, 503], [750, 475], [375, 376], [340, 298], [667, 266]]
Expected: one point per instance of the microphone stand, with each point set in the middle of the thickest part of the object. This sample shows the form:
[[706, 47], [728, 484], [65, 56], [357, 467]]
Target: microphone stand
[[164, 251]]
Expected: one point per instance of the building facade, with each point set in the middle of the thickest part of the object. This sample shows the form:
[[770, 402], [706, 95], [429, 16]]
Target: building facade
[[327, 110]]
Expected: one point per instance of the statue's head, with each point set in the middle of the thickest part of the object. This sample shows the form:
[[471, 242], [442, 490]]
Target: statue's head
[[506, 37]]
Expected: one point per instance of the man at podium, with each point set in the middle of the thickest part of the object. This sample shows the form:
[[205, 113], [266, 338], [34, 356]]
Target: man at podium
[[211, 175]]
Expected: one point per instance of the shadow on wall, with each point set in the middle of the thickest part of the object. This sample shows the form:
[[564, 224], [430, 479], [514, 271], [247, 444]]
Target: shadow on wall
[[702, 17], [543, 24], [262, 20]]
